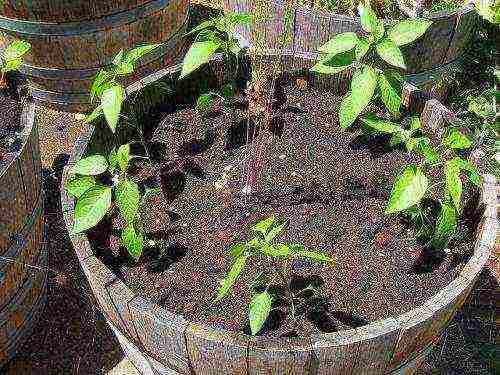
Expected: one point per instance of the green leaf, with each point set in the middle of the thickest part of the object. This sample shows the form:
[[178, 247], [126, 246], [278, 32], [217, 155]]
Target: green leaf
[[453, 182], [369, 20], [113, 160], [319, 257], [111, 103], [362, 47], [135, 54], [236, 250], [123, 156], [396, 139], [339, 43], [424, 147], [79, 185], [473, 174], [204, 103], [90, 166], [16, 50], [259, 310], [231, 277], [227, 91], [455, 139], [259, 281], [237, 18], [91, 208], [279, 250], [407, 31], [408, 190], [275, 230], [390, 91], [95, 114], [411, 143], [445, 226], [124, 69], [415, 123], [332, 64], [98, 84], [264, 225], [362, 89], [199, 54], [390, 53], [11, 65], [128, 197], [117, 60], [381, 125], [202, 26], [133, 241]]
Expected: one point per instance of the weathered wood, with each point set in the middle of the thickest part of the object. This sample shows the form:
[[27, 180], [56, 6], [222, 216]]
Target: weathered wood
[[413, 98], [66, 55], [434, 118], [21, 237], [336, 352], [281, 357], [213, 352], [443, 42], [161, 334]]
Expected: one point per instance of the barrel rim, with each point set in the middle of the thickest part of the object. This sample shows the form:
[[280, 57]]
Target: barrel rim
[[441, 300], [50, 29]]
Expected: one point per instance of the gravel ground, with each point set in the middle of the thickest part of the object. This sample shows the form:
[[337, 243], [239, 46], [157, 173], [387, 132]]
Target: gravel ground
[[71, 338]]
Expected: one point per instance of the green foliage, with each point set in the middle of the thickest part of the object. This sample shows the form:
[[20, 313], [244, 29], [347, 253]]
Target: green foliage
[[489, 10], [215, 36], [12, 56], [94, 199], [279, 254], [109, 90], [351, 51]]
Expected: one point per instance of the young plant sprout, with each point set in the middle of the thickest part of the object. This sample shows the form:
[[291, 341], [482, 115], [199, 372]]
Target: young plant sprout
[[12, 59], [216, 36], [93, 198], [281, 256], [350, 50], [413, 185]]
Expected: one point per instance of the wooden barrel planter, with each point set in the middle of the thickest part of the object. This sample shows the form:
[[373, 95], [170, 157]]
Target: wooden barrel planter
[[23, 253], [72, 40], [436, 51], [158, 341]]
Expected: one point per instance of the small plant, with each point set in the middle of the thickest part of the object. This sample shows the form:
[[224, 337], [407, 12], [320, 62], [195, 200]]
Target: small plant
[[412, 191], [214, 36], [12, 58], [281, 256], [94, 199], [109, 90], [348, 50]]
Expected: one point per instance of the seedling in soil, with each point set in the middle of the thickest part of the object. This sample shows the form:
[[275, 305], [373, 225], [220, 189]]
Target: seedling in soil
[[12, 59], [415, 189], [368, 54], [94, 198], [281, 256], [216, 36]]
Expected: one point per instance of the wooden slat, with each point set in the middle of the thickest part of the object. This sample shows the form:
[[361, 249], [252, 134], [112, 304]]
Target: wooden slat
[[434, 118], [213, 352], [336, 352], [465, 26], [121, 295], [281, 357], [161, 334]]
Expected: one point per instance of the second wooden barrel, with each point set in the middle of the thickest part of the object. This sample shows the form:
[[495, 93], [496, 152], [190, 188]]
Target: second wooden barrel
[[23, 254], [72, 39]]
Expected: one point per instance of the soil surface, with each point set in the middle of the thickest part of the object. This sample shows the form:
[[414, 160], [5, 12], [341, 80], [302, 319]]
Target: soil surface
[[10, 125], [331, 187]]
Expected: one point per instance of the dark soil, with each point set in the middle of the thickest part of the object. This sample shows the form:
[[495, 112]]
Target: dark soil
[[10, 122], [331, 186]]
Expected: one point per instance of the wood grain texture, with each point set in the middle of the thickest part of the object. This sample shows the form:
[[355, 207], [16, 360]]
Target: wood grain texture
[[65, 56], [281, 357], [213, 352], [161, 334], [443, 42]]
